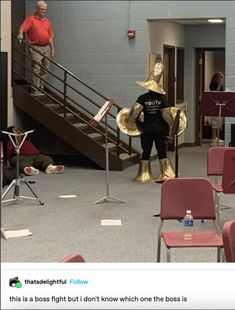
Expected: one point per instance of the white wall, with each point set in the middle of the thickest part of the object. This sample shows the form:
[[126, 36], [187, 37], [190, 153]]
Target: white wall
[[6, 47], [165, 32]]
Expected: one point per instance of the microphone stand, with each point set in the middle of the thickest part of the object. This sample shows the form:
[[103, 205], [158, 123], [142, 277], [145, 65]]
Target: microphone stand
[[17, 140], [175, 129]]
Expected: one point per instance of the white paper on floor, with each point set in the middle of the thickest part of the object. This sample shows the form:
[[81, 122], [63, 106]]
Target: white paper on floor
[[111, 222], [15, 233], [67, 196]]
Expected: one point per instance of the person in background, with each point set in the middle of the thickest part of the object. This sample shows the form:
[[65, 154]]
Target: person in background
[[40, 36], [216, 84], [30, 158]]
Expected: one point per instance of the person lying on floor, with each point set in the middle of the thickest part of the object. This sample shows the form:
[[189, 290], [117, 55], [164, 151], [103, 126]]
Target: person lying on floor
[[30, 158]]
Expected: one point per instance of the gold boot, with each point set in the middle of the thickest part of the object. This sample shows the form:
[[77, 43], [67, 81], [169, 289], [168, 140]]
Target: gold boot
[[144, 174], [166, 170]]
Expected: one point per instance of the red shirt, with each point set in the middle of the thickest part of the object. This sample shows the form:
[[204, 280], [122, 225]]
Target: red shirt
[[38, 30], [27, 149]]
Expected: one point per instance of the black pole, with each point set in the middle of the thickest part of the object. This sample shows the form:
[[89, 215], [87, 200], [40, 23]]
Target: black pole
[[175, 130], [176, 156]]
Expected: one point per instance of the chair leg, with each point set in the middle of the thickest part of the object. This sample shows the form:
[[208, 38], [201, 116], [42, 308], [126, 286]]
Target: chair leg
[[159, 242], [218, 255], [217, 203], [159, 250], [168, 255], [217, 228], [223, 256]]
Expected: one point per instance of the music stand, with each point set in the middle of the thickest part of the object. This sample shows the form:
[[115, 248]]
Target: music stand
[[219, 104], [17, 140], [97, 118]]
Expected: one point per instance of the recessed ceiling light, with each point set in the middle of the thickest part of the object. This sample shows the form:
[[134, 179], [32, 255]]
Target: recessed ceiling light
[[214, 20]]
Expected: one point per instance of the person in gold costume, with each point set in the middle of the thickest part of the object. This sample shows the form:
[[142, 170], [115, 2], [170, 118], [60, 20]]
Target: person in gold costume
[[154, 128]]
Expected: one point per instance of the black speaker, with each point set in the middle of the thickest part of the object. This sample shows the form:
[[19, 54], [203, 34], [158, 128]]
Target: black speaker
[[232, 143], [3, 90]]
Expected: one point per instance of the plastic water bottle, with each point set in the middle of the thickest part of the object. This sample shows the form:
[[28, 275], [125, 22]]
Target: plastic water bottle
[[188, 224]]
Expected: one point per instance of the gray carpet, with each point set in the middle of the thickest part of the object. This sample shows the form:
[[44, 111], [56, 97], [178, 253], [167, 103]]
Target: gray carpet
[[64, 226]]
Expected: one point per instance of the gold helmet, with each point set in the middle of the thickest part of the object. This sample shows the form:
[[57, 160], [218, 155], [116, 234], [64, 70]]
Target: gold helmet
[[153, 81]]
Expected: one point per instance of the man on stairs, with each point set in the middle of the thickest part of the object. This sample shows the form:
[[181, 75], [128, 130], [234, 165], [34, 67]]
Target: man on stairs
[[40, 36]]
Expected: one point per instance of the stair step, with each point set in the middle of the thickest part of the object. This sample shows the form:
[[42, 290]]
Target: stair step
[[68, 115], [76, 124], [95, 135], [81, 125], [52, 105], [110, 145], [124, 156]]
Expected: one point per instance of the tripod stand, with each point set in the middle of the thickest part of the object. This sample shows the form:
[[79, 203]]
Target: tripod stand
[[17, 140], [175, 137]]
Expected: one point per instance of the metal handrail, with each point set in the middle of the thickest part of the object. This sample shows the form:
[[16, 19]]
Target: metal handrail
[[66, 98], [75, 114]]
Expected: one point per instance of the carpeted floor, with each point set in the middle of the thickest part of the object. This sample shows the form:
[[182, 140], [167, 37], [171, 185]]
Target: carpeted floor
[[67, 225]]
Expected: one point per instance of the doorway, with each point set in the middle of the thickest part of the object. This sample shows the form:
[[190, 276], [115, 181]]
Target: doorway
[[169, 76], [208, 61]]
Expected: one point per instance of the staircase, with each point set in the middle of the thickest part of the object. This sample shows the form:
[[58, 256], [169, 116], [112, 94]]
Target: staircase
[[60, 111]]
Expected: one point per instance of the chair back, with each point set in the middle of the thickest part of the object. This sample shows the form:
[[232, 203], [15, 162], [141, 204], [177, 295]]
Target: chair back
[[181, 194], [228, 179], [73, 258], [215, 160], [228, 235]]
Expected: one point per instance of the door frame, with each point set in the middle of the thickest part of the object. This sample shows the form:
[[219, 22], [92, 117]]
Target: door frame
[[200, 81], [169, 72]]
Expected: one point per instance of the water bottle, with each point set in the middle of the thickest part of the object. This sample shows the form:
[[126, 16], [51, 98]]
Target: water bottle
[[188, 224]]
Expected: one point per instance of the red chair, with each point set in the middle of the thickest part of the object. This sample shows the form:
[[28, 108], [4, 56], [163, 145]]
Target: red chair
[[228, 178], [73, 258], [215, 160], [228, 234], [179, 195], [221, 162]]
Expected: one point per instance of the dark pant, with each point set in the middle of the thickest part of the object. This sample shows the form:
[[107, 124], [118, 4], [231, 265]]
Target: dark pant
[[37, 161], [147, 139]]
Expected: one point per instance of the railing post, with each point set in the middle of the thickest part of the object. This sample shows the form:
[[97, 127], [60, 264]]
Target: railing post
[[65, 92], [130, 145], [118, 134]]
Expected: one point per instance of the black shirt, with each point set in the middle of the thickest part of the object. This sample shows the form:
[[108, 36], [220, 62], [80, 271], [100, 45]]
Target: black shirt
[[153, 103]]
